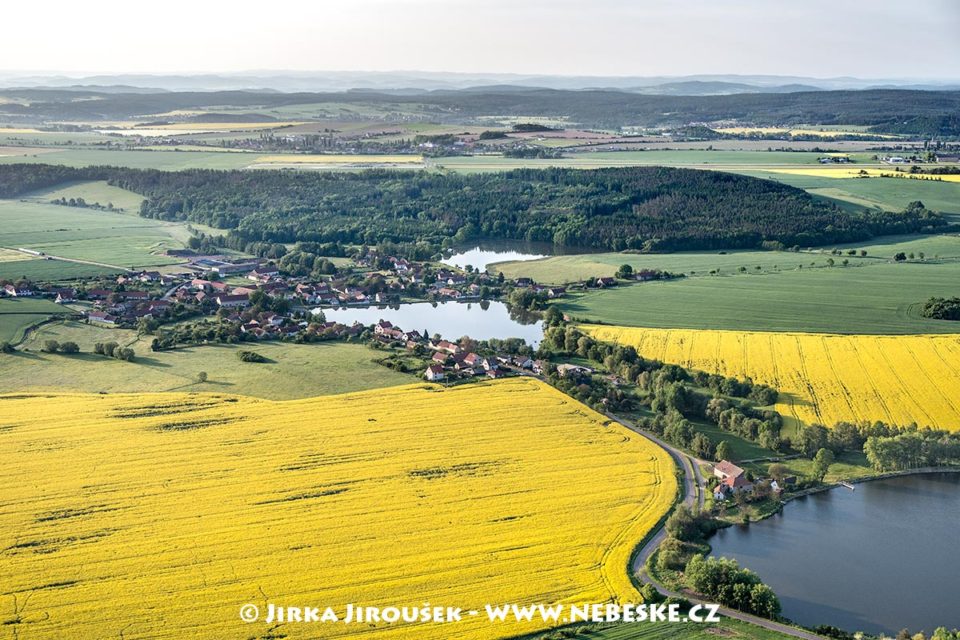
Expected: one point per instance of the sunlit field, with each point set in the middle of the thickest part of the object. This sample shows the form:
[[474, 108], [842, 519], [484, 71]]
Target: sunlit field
[[159, 515], [822, 378]]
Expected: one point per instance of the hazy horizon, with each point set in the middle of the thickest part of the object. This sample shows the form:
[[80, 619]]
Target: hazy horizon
[[866, 39]]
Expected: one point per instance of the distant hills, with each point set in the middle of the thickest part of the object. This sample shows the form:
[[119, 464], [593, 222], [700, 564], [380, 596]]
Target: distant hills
[[406, 82]]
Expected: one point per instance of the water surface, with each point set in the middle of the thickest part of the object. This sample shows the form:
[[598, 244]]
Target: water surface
[[877, 559], [452, 320]]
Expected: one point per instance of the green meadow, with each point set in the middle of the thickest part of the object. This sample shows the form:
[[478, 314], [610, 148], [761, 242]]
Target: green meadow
[[111, 238], [878, 298], [19, 314], [292, 370]]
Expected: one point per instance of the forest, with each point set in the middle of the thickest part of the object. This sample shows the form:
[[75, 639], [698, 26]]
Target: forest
[[650, 209]]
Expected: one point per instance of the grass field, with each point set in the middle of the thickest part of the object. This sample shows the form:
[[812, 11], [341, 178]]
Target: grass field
[[578, 267], [18, 314], [159, 515], [294, 371], [888, 194], [96, 192], [37, 270], [822, 378], [88, 234], [882, 298]]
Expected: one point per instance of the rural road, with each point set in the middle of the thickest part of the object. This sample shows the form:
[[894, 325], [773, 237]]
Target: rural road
[[62, 259], [694, 490]]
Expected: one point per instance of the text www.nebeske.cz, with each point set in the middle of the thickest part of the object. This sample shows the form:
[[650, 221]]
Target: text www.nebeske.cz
[[552, 613]]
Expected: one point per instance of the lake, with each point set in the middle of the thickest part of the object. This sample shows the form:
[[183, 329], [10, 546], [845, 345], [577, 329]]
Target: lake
[[877, 559], [452, 320]]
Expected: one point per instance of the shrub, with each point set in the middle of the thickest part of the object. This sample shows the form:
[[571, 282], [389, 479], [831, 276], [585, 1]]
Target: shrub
[[250, 356], [69, 347]]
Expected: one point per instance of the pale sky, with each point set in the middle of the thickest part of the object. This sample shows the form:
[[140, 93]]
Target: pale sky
[[820, 38]]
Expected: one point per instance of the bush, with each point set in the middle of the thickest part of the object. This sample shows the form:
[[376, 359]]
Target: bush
[[69, 347], [50, 346], [250, 356], [6, 347]]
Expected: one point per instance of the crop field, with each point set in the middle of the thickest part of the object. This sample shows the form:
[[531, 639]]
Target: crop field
[[17, 314], [94, 192], [292, 371], [822, 378], [167, 160], [890, 195], [578, 267], [306, 161], [88, 234], [862, 173], [159, 515], [821, 132], [37, 270], [881, 298]]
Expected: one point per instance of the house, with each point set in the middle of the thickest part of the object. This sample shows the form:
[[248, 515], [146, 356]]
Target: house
[[524, 282], [99, 294], [434, 373], [556, 292], [63, 296], [738, 484], [101, 317], [495, 373], [440, 358], [472, 359], [719, 493], [148, 276], [232, 301], [572, 370], [522, 362], [726, 469], [447, 292], [444, 345], [606, 282], [18, 292], [382, 326], [262, 274]]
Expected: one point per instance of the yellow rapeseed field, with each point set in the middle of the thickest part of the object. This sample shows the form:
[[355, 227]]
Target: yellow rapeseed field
[[858, 172], [159, 515], [822, 378]]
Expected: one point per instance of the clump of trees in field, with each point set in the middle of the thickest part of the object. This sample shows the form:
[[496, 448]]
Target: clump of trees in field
[[53, 346], [941, 309], [251, 356], [114, 350]]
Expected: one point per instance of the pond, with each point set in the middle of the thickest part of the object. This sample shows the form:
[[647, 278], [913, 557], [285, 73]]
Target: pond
[[877, 559], [481, 255], [452, 320]]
